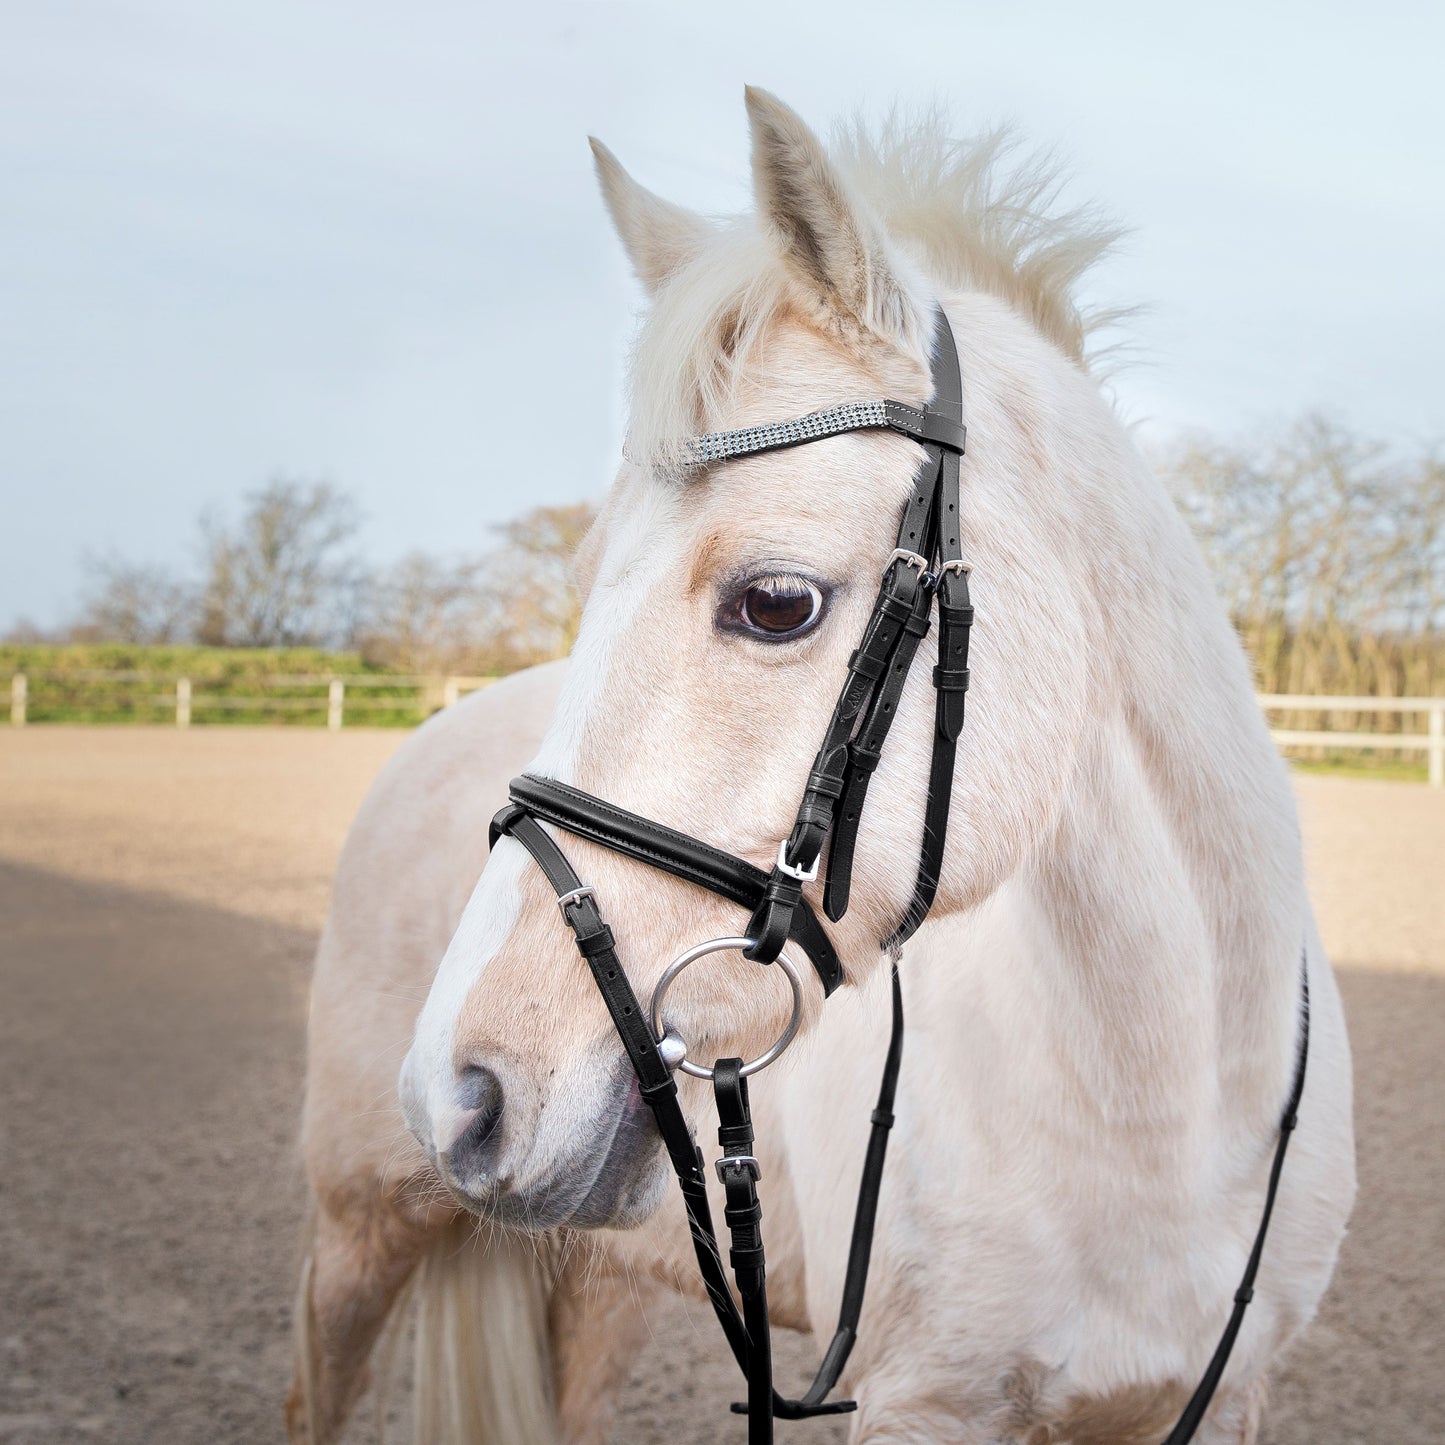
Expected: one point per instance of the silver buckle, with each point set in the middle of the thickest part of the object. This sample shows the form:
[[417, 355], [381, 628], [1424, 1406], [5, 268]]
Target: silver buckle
[[802, 875], [959, 566], [575, 896], [746, 1161], [902, 554]]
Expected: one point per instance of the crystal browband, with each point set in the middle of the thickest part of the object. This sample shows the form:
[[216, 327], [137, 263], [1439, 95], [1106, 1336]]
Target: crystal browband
[[921, 426]]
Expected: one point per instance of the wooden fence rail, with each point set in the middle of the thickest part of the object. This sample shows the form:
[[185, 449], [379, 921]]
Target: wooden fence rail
[[1431, 742], [187, 697]]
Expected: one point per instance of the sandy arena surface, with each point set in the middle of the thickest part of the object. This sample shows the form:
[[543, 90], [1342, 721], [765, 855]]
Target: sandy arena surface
[[160, 894]]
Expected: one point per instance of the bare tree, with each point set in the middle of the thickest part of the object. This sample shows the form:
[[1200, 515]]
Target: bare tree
[[136, 603], [24, 632], [1329, 551], [513, 607], [283, 575], [425, 615], [531, 600]]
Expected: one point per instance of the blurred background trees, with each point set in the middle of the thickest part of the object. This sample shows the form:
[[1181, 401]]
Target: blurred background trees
[[506, 609], [285, 572], [1328, 550], [133, 602]]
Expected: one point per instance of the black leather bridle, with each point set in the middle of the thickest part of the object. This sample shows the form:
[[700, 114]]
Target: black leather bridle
[[926, 569]]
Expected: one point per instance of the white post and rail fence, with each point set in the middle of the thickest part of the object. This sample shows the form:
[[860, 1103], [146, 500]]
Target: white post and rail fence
[[369, 693], [119, 694]]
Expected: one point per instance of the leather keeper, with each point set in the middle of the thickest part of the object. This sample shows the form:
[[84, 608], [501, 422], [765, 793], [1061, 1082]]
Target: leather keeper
[[810, 831], [863, 759], [953, 600], [898, 609], [949, 714], [865, 666], [870, 661], [745, 1260], [918, 623], [663, 1087], [824, 781], [590, 945], [772, 921], [502, 823], [749, 1214]]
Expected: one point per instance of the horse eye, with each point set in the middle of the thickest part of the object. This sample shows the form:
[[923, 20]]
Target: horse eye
[[780, 606]]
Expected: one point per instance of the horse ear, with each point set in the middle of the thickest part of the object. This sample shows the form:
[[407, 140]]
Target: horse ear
[[657, 236], [827, 237]]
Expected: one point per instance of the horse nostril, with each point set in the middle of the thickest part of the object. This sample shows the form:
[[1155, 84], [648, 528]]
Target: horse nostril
[[479, 1093], [479, 1088]]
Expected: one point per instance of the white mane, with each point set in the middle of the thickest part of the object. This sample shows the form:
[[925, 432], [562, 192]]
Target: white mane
[[985, 215], [975, 214]]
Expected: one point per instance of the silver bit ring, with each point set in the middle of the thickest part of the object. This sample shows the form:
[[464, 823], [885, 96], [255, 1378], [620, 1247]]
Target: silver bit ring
[[671, 1043]]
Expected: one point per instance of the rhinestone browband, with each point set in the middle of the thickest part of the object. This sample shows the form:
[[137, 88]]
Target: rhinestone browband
[[717, 446]]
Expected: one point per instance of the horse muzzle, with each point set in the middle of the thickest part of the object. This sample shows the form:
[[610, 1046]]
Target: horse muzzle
[[506, 1165]]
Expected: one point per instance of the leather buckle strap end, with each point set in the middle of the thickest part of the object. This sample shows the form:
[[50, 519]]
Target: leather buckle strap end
[[772, 920], [927, 425], [501, 824]]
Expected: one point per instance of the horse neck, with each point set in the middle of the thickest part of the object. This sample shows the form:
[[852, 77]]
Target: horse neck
[[1165, 908], [1169, 915]]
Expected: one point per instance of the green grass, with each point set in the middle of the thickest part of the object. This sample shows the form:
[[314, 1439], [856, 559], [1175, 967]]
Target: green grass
[[62, 690], [185, 661], [1385, 767]]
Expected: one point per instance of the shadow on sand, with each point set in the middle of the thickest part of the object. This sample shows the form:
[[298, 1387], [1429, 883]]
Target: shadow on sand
[[150, 1192]]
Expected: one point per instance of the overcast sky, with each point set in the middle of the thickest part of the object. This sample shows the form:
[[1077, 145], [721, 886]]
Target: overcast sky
[[362, 241]]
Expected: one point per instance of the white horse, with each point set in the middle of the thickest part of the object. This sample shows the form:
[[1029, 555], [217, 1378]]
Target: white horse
[[1103, 1010]]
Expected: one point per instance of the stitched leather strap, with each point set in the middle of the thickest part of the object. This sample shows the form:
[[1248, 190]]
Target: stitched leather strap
[[866, 749], [598, 949], [738, 1171], [860, 1248], [585, 920], [675, 853], [838, 785], [950, 676], [655, 1083]]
